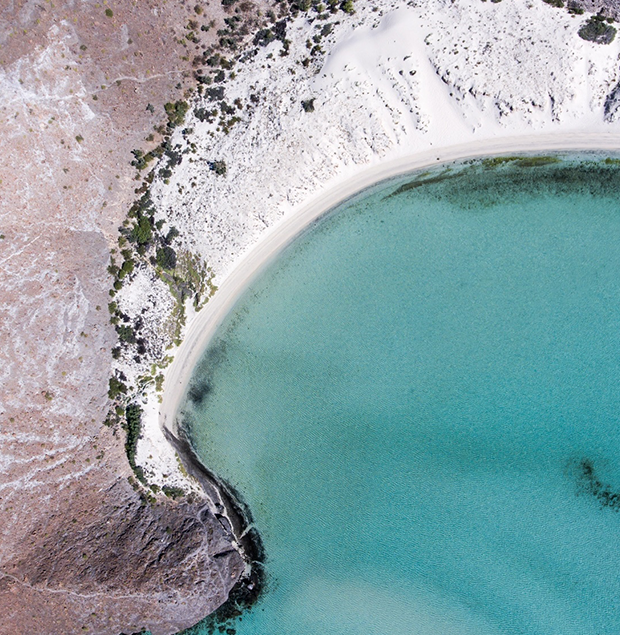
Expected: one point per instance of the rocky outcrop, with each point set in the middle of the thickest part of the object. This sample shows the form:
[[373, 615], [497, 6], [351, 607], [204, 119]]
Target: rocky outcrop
[[81, 551], [107, 568]]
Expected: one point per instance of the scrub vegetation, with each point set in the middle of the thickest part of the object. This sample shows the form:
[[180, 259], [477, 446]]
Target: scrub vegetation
[[598, 29], [145, 242]]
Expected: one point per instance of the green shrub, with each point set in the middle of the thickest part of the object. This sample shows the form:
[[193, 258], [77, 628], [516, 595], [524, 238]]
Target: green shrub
[[308, 105], [112, 269], [116, 387], [173, 492], [597, 30], [126, 334], [132, 426], [142, 232], [109, 13], [126, 269], [171, 235], [141, 160], [166, 258], [219, 167], [176, 112], [264, 37]]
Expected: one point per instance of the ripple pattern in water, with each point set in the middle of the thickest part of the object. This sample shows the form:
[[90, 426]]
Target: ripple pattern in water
[[420, 403]]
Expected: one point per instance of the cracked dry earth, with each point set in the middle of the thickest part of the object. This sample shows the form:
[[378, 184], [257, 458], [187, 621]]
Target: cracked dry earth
[[79, 551]]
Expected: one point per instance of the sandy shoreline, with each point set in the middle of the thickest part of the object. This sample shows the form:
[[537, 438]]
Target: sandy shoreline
[[204, 325]]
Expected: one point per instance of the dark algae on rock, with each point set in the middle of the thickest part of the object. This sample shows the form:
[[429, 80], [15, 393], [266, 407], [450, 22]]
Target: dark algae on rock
[[234, 515]]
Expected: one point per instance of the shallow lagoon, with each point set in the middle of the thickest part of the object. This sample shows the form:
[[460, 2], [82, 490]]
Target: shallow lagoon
[[419, 401]]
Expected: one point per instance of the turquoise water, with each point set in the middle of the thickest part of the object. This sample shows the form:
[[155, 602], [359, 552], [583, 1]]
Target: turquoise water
[[420, 402]]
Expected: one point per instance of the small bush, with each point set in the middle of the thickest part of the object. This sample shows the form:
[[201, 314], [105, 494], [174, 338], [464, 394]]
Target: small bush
[[142, 232], [126, 269], [109, 13], [202, 114], [214, 93], [308, 105], [141, 160], [219, 167], [171, 235], [173, 492], [133, 425], [176, 112], [126, 334], [597, 30], [264, 37], [166, 258], [116, 387]]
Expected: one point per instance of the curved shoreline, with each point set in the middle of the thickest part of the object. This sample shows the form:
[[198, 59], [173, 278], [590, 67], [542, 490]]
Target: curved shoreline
[[276, 238]]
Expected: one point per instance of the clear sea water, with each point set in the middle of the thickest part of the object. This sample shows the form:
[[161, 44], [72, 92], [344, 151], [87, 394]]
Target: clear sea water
[[420, 403]]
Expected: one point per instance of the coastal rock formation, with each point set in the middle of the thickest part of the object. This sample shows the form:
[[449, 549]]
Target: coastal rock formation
[[81, 85]]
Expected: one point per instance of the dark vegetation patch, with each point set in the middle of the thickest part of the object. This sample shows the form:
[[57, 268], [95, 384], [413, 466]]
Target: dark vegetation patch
[[423, 179], [176, 112], [173, 492], [308, 105], [589, 484], [597, 29], [219, 167], [431, 178], [483, 184], [521, 162], [166, 257], [133, 429], [198, 392]]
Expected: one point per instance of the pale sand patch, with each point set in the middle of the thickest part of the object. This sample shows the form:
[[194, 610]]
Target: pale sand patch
[[274, 240]]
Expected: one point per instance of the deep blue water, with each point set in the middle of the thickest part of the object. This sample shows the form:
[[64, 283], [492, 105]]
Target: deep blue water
[[420, 403]]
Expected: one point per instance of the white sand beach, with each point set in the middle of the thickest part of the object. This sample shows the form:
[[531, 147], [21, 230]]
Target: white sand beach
[[400, 87], [273, 241]]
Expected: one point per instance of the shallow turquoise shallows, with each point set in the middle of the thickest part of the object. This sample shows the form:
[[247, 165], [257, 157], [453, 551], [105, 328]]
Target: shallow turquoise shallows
[[420, 403]]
